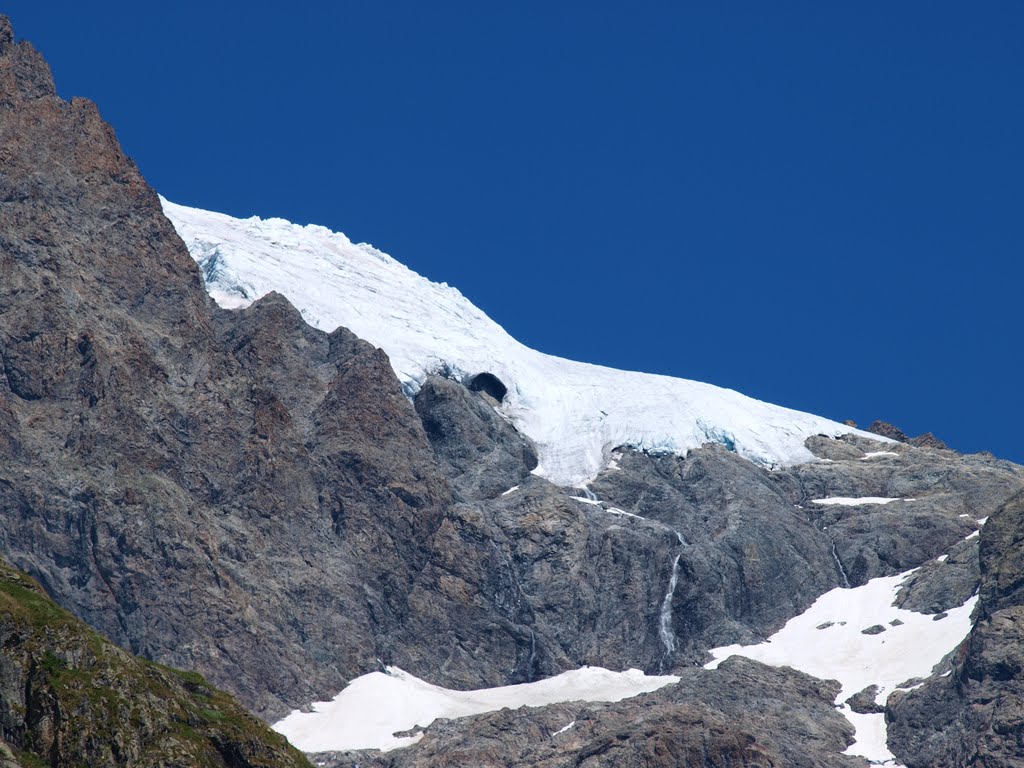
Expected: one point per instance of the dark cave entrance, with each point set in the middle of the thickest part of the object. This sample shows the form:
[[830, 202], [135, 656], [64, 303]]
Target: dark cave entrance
[[489, 384]]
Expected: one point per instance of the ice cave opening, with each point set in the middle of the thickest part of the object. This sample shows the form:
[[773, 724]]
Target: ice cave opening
[[489, 384]]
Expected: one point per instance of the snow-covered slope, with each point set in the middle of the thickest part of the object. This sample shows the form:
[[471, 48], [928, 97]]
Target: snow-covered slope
[[376, 706], [576, 413], [834, 639]]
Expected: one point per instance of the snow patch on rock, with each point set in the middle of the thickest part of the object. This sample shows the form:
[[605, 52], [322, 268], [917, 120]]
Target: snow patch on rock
[[828, 641], [851, 501], [374, 707]]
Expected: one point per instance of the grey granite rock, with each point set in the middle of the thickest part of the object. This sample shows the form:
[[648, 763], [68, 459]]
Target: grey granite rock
[[863, 702], [941, 585], [944, 493]]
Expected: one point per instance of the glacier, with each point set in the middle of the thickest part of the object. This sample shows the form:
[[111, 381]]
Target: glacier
[[575, 413]]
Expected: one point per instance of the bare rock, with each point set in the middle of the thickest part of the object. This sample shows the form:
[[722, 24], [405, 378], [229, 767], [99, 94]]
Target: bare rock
[[486, 454], [863, 702], [928, 440], [888, 430], [941, 585]]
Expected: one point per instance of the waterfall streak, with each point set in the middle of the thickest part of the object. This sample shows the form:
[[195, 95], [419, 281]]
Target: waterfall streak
[[842, 570]]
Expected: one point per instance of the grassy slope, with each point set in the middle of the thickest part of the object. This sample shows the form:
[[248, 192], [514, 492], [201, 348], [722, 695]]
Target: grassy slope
[[69, 697]]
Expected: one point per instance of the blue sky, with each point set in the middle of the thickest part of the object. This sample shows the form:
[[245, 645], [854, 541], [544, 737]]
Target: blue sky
[[817, 204]]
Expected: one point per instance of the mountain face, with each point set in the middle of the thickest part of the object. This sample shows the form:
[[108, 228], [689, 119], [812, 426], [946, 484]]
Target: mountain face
[[285, 508]]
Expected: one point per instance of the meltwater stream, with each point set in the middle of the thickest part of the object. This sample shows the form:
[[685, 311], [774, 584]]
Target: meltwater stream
[[842, 570], [665, 631], [667, 634]]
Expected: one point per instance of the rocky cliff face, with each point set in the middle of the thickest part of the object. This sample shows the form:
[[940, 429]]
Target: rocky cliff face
[[238, 493], [975, 716], [180, 477], [69, 698]]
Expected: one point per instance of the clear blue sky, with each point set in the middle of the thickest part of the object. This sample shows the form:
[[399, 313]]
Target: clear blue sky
[[818, 204]]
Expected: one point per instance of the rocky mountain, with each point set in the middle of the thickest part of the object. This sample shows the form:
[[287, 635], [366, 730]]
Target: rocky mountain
[[287, 509]]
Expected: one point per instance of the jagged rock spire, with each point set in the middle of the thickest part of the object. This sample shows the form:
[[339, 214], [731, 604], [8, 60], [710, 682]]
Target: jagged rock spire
[[24, 74], [6, 34]]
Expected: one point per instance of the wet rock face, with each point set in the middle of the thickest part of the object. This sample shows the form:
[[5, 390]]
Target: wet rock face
[[760, 550], [752, 559]]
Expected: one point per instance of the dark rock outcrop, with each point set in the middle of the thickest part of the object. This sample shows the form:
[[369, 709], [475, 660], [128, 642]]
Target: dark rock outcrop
[[485, 454], [927, 440], [863, 702], [891, 431], [69, 697], [941, 585]]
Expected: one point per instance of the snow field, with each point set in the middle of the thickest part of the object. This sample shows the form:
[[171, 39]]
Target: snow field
[[372, 708], [850, 501], [827, 642]]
